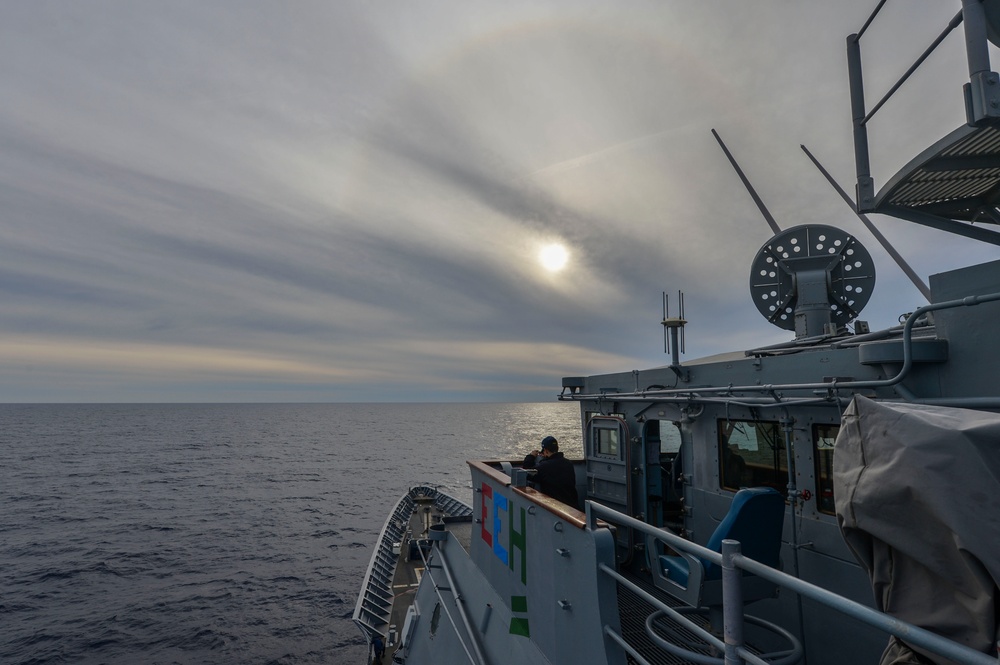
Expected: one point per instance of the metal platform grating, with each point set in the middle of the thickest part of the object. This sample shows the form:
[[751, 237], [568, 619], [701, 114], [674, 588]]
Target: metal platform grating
[[957, 178], [633, 611]]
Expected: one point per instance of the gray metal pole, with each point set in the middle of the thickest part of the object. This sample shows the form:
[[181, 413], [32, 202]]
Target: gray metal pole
[[732, 602], [976, 48], [865, 193], [982, 93], [900, 261], [794, 497], [775, 229], [460, 605]]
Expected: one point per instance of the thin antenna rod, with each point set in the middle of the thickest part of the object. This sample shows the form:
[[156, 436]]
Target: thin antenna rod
[[746, 183], [675, 345], [955, 22], [870, 19], [900, 261], [680, 314], [666, 344]]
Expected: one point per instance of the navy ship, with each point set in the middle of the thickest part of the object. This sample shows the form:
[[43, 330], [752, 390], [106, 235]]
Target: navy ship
[[833, 499]]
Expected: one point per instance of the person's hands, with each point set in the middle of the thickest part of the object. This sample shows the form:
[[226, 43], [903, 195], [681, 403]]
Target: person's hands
[[535, 453]]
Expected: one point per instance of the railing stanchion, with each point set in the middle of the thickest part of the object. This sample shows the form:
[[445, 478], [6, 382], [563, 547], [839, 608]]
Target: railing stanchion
[[734, 563], [732, 602]]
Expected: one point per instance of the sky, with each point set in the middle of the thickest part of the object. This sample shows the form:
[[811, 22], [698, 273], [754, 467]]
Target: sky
[[252, 201]]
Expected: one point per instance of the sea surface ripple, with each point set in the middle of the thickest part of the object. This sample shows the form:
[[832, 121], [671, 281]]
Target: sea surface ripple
[[219, 533]]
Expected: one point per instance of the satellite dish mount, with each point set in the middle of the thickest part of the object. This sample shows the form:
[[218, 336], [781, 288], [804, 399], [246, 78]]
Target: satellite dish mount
[[813, 279]]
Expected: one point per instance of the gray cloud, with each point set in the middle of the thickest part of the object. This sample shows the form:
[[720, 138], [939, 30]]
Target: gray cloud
[[344, 201]]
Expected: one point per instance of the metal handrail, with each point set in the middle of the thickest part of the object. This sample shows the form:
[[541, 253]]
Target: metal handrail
[[695, 394], [736, 653], [914, 635], [476, 658], [954, 23]]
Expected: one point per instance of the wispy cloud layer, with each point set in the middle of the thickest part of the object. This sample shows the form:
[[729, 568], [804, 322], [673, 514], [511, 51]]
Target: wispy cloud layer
[[345, 201]]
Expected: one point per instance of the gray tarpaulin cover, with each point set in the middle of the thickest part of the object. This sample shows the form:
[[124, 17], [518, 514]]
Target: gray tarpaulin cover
[[917, 492]]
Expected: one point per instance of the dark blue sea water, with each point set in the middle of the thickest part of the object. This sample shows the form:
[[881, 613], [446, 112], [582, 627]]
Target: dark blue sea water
[[219, 533]]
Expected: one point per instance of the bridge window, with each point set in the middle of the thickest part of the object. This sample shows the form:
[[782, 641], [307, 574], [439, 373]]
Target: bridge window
[[606, 437], [606, 442], [823, 438], [752, 454]]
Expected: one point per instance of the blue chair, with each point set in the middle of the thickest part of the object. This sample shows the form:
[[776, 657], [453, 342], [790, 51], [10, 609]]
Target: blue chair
[[755, 518]]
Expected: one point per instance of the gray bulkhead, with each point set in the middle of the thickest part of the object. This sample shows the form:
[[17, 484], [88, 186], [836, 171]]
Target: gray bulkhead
[[970, 332], [531, 571], [815, 552], [950, 350]]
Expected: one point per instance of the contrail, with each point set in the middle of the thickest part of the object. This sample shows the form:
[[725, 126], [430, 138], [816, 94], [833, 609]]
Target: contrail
[[584, 160]]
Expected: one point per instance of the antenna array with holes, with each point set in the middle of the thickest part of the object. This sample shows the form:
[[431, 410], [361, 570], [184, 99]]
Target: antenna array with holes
[[813, 279]]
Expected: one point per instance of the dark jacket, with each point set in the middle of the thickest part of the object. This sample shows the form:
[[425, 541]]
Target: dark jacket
[[554, 476]]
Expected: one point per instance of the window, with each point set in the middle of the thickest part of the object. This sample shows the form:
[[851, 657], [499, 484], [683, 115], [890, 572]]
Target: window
[[823, 439], [662, 437], [752, 454], [606, 442], [606, 436], [670, 438]]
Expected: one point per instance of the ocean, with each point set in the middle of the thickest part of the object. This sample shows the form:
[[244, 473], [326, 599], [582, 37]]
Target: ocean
[[220, 533]]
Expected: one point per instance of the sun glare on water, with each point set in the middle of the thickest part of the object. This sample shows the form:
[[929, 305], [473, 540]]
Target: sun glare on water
[[553, 257]]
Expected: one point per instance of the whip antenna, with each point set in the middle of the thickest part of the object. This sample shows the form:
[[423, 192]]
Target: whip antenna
[[775, 229], [673, 334], [900, 261]]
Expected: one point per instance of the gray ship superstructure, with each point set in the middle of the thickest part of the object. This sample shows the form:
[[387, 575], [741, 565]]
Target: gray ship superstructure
[[817, 501]]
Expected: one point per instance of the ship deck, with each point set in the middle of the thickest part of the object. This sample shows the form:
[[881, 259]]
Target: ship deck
[[633, 611], [410, 565]]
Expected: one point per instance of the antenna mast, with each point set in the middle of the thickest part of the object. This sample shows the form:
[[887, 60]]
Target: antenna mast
[[674, 343], [900, 261], [775, 229]]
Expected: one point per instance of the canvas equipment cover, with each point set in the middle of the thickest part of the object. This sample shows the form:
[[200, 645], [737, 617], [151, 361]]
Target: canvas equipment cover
[[917, 492]]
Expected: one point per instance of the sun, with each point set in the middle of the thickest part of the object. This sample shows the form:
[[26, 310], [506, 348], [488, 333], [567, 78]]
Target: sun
[[553, 257]]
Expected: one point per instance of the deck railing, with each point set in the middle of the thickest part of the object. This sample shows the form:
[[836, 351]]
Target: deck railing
[[732, 562], [371, 614]]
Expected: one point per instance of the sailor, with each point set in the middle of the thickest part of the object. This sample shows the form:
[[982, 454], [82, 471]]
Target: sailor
[[554, 474], [379, 647]]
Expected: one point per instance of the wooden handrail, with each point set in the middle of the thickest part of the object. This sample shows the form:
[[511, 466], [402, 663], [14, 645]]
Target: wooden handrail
[[575, 517]]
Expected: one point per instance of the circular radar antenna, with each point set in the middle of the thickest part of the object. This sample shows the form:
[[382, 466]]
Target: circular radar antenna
[[813, 279]]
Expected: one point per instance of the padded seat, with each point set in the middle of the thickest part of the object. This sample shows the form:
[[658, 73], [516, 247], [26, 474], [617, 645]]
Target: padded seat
[[755, 518]]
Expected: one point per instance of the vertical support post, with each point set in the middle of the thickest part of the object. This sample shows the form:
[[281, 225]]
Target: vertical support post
[[982, 92], [865, 191], [794, 496], [787, 429], [976, 50], [732, 602], [675, 347], [676, 327]]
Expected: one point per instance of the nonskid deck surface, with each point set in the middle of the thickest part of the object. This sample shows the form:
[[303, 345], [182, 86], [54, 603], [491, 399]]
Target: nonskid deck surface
[[957, 177], [410, 566]]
